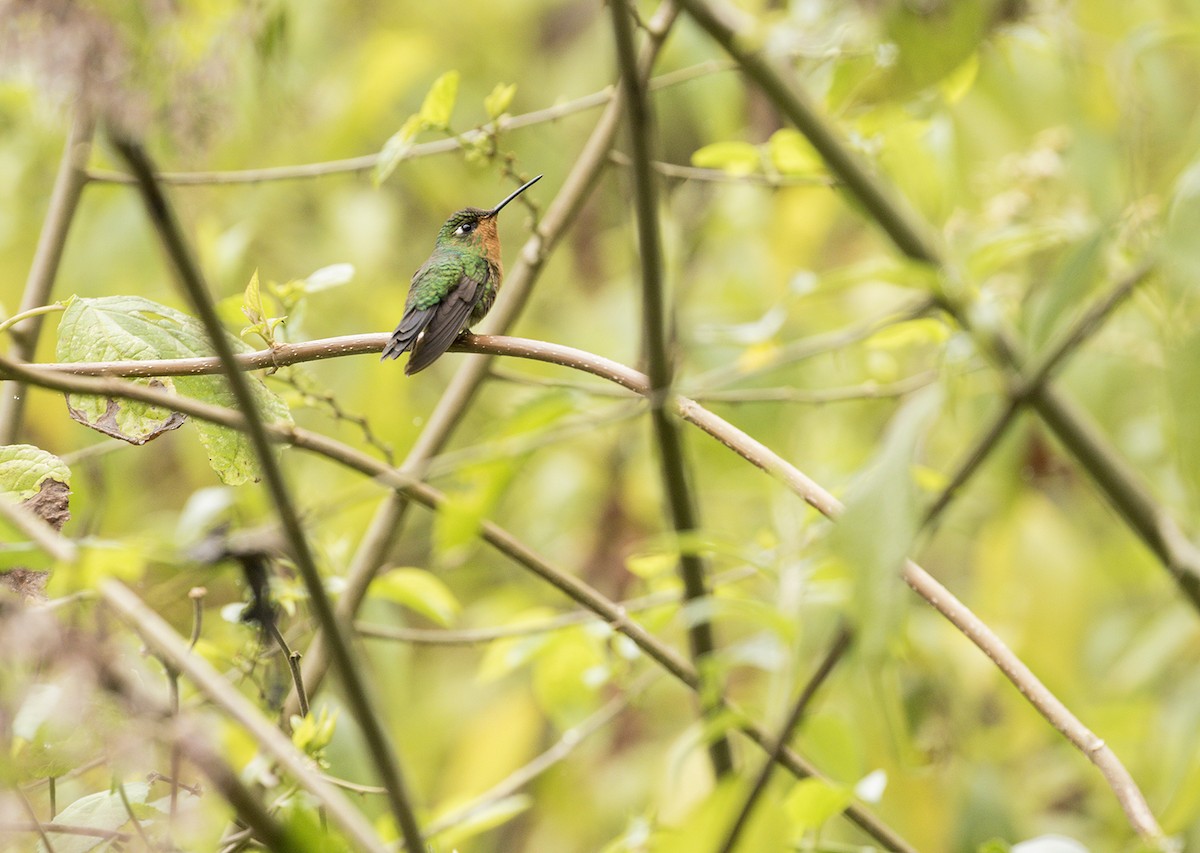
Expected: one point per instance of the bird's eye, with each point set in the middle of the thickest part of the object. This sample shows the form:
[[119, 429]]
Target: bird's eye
[[465, 228]]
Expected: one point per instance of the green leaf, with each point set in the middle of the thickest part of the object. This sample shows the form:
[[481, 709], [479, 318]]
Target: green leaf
[[881, 521], [917, 332], [792, 154], [261, 323], [312, 734], [1002, 249], [499, 100], [928, 46], [710, 819], [104, 811], [418, 590], [24, 468], [125, 328], [1068, 287], [736, 158], [568, 672], [812, 802], [396, 149], [327, 278], [439, 101]]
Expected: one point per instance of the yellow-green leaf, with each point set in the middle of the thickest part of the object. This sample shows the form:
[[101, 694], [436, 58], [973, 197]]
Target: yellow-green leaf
[[500, 99], [736, 158], [396, 149], [439, 101], [792, 154], [812, 802], [420, 591]]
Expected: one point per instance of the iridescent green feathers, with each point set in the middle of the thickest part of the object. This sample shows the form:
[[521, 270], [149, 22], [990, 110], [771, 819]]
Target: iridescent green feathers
[[452, 290]]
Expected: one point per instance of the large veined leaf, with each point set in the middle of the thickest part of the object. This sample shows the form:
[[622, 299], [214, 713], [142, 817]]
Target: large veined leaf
[[127, 328]]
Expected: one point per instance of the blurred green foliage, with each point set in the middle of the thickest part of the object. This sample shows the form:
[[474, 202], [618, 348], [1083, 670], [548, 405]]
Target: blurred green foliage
[[1052, 145]]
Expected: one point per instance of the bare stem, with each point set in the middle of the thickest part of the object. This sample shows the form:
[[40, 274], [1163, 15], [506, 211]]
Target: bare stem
[[681, 500], [64, 201], [379, 746], [293, 660]]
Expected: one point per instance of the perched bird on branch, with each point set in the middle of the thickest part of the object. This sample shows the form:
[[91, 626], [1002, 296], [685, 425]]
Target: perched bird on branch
[[454, 289]]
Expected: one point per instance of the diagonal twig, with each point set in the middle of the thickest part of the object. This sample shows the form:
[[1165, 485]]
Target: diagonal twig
[[837, 649], [379, 745], [162, 640], [64, 201], [681, 498]]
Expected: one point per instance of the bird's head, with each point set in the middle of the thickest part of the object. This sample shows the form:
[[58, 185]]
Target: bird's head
[[474, 227]]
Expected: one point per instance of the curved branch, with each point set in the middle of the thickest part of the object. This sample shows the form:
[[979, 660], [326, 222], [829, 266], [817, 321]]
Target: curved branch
[[52, 242]]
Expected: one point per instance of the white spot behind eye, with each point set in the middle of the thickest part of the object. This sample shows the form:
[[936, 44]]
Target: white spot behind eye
[[465, 228]]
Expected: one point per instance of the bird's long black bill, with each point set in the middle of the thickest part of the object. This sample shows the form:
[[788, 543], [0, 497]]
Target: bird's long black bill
[[515, 193]]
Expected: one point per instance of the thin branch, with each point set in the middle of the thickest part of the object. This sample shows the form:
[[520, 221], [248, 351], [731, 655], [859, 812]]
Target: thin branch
[[37, 824], [137, 824], [64, 201], [522, 776], [63, 829], [367, 162], [870, 390], [719, 176], [838, 648], [812, 346], [379, 746], [478, 636], [293, 661], [166, 644], [656, 321]]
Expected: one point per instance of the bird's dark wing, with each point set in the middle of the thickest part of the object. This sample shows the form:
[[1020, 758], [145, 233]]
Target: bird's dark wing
[[429, 332]]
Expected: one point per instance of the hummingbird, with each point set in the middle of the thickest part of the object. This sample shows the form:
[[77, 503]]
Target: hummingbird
[[454, 289]]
